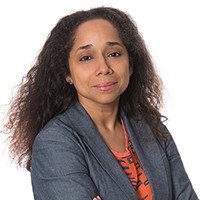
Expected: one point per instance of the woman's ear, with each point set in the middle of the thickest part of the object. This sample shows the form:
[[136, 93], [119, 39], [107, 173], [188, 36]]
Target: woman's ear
[[130, 66], [130, 70], [69, 80]]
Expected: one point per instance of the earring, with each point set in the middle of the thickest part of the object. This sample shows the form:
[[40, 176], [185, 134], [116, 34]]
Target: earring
[[70, 81]]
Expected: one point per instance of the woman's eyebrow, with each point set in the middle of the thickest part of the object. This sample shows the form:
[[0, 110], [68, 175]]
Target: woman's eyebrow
[[114, 44], [87, 46], [109, 43]]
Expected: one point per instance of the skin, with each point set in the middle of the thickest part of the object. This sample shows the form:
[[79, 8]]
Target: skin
[[97, 198], [99, 64], [100, 72]]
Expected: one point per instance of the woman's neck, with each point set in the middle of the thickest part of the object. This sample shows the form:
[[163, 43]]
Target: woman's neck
[[107, 122], [103, 116]]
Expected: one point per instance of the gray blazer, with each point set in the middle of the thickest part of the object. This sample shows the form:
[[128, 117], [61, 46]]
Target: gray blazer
[[70, 161]]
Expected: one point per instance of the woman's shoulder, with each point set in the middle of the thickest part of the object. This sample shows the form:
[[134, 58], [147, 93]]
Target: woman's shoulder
[[56, 129], [66, 126]]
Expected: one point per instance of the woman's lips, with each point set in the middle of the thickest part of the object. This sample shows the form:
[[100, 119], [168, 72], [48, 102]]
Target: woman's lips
[[105, 86]]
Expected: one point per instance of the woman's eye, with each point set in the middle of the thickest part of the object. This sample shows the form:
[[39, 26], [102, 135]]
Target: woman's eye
[[114, 54], [85, 58]]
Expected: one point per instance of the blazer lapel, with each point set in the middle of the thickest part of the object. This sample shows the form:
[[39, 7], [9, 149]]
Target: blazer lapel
[[95, 143], [148, 152], [109, 163]]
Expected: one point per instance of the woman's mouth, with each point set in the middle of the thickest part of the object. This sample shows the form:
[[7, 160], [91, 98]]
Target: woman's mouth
[[105, 86]]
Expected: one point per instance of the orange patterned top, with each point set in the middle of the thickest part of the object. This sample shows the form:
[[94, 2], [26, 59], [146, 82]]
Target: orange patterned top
[[133, 169]]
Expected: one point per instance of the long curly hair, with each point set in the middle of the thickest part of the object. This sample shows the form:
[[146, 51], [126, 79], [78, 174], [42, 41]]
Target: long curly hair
[[44, 92]]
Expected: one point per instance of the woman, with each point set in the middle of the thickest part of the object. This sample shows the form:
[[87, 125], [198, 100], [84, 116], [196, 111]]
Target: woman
[[86, 122]]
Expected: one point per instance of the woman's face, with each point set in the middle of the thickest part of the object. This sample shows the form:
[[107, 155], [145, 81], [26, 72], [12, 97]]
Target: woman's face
[[99, 63]]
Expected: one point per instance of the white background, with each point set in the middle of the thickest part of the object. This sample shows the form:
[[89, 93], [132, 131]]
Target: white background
[[172, 33]]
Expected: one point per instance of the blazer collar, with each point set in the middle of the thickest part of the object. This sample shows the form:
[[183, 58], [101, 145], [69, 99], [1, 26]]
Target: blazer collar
[[143, 141]]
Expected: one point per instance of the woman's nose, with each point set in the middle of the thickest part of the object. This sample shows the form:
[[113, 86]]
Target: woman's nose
[[103, 67]]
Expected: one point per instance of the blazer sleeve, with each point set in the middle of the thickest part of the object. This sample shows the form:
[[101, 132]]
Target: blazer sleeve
[[59, 170], [181, 186]]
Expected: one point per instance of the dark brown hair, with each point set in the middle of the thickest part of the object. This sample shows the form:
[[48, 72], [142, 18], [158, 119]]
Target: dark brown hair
[[44, 92]]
